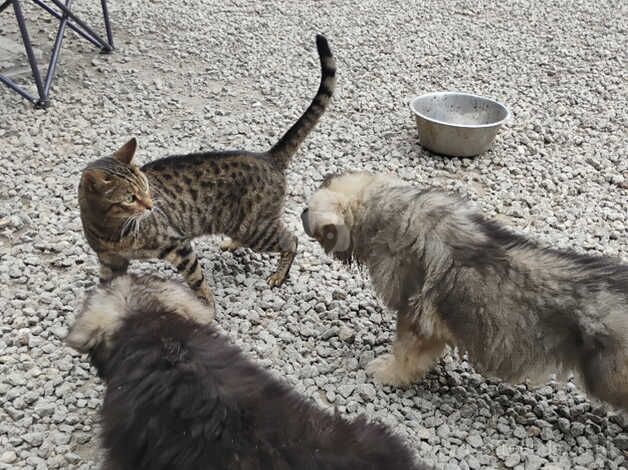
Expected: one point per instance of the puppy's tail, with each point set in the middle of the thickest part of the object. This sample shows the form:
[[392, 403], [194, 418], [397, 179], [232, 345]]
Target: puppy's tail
[[286, 147]]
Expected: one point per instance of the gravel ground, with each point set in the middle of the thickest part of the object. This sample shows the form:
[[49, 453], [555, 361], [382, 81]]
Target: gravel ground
[[195, 75]]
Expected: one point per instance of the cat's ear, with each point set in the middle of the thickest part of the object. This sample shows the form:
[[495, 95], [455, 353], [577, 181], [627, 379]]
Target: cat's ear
[[125, 153], [93, 179]]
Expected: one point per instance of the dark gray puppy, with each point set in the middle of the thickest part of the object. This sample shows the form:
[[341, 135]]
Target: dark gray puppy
[[180, 396], [455, 278]]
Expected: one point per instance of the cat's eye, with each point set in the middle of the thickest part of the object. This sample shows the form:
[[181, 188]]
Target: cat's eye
[[130, 199]]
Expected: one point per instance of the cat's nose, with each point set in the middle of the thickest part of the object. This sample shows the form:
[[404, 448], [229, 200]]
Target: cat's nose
[[148, 203]]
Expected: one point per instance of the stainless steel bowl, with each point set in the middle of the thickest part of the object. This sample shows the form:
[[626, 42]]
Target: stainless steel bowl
[[457, 124]]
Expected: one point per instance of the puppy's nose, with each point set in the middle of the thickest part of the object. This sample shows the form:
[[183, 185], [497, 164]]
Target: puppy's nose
[[305, 220]]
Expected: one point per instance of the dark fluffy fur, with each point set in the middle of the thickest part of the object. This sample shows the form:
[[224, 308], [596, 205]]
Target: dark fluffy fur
[[180, 396]]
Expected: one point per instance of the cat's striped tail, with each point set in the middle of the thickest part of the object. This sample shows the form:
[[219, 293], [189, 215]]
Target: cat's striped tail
[[283, 150]]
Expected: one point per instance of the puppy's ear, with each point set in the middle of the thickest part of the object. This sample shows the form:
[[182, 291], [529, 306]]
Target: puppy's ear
[[101, 316], [328, 232], [125, 153], [334, 237], [84, 335]]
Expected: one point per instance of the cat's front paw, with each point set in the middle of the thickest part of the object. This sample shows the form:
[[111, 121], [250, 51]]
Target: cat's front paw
[[206, 296], [276, 279], [230, 245], [211, 307]]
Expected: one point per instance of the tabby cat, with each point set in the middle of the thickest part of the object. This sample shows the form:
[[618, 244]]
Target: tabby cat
[[130, 212]]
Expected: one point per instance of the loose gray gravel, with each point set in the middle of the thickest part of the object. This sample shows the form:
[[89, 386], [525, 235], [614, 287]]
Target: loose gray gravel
[[194, 74]]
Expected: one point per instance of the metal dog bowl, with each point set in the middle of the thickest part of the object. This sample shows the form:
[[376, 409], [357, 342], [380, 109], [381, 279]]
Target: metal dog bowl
[[457, 124]]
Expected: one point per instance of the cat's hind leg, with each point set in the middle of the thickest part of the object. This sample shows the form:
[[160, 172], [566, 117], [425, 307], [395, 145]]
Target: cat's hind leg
[[272, 236], [111, 266], [183, 257]]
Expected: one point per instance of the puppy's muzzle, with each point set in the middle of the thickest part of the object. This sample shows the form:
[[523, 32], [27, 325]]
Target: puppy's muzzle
[[305, 220]]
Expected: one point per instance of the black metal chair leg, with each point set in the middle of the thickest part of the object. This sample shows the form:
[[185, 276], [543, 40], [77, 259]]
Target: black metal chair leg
[[67, 19], [43, 98], [73, 27], [56, 49], [105, 14], [79, 22]]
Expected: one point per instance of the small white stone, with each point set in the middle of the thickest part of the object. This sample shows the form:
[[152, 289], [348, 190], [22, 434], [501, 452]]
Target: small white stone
[[8, 457]]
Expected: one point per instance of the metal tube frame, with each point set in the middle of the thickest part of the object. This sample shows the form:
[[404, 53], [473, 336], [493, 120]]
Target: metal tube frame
[[67, 18]]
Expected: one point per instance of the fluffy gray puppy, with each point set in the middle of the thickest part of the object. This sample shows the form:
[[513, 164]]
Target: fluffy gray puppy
[[455, 278]]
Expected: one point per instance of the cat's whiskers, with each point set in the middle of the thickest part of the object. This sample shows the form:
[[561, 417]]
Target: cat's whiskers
[[139, 218], [131, 225], [144, 215], [126, 226]]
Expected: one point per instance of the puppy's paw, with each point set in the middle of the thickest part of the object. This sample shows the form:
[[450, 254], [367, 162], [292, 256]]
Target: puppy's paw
[[385, 370]]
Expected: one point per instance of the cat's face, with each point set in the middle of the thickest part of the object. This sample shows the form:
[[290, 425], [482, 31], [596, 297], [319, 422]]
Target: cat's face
[[115, 190]]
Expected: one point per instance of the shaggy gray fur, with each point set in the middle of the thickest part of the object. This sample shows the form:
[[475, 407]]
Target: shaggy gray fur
[[518, 309]]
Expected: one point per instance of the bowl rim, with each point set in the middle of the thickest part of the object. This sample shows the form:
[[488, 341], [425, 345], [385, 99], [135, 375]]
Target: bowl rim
[[452, 124]]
